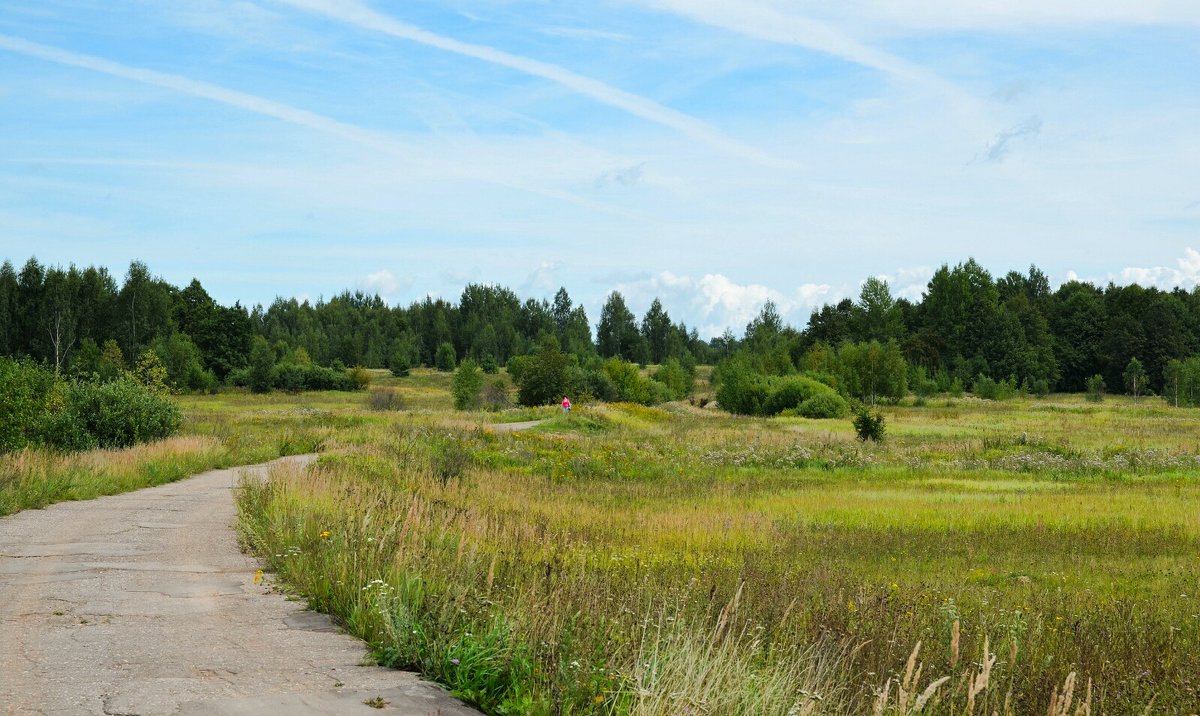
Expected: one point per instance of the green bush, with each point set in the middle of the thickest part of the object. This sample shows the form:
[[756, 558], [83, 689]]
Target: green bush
[[294, 377], [740, 390], [1095, 388], [868, 426], [595, 382], [989, 389], [359, 377], [677, 379], [25, 401], [630, 385], [826, 405], [181, 359], [115, 414], [790, 391], [544, 377]]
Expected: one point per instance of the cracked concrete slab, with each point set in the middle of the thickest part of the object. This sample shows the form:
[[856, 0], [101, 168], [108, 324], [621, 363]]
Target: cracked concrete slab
[[142, 604]]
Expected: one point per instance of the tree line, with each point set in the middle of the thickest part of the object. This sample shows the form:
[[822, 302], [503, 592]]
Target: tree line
[[969, 327]]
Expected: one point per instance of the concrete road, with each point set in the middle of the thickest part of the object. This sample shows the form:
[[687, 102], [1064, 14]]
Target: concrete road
[[142, 604]]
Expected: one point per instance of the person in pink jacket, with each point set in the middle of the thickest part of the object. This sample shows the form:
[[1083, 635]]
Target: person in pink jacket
[[566, 404]]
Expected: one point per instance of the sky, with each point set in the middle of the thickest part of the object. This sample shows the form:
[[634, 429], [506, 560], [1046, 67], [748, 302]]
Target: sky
[[714, 153]]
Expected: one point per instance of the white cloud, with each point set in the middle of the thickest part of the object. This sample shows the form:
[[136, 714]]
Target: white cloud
[[1000, 145], [1019, 14], [584, 33], [1185, 275], [781, 23], [909, 283], [544, 279], [385, 283], [355, 13], [286, 113], [714, 302]]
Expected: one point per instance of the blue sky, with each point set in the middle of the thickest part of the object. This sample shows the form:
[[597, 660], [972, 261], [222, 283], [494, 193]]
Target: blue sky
[[715, 153]]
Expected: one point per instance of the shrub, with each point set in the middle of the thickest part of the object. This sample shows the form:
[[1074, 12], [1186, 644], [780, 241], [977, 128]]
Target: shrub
[[384, 399], [25, 392], [359, 377], [450, 460], [677, 379], [466, 384], [922, 384], [826, 405], [489, 364], [989, 389], [544, 377], [294, 378], [596, 383], [868, 426], [630, 385], [790, 392], [116, 414], [739, 389], [495, 395], [1095, 388]]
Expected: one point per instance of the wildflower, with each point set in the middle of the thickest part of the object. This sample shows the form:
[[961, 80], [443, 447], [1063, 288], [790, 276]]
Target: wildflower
[[454, 661], [324, 534], [598, 699], [258, 576]]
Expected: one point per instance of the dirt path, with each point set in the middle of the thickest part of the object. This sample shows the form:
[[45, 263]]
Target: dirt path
[[513, 427], [142, 604]]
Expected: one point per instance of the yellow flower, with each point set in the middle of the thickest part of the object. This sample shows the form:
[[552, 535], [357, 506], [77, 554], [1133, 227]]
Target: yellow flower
[[597, 699], [258, 576], [324, 534]]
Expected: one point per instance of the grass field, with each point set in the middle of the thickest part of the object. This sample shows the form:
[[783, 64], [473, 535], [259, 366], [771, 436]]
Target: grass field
[[986, 558], [678, 560]]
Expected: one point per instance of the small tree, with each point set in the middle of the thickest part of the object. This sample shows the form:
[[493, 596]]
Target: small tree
[[1173, 379], [868, 426], [1135, 378], [150, 371], [874, 370], [445, 359], [544, 377], [112, 361], [404, 354], [262, 362], [1095, 388], [467, 382]]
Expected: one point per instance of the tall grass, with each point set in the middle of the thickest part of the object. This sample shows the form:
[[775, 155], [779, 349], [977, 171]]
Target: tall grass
[[621, 560], [36, 478]]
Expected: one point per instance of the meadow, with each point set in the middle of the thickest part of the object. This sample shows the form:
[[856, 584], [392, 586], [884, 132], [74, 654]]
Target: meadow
[[1024, 556], [1032, 555]]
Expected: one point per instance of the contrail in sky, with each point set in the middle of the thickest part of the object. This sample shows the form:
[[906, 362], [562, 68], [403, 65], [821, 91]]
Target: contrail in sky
[[355, 13], [283, 112]]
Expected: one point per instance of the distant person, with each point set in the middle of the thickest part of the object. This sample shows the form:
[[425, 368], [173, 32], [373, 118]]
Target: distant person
[[566, 404]]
